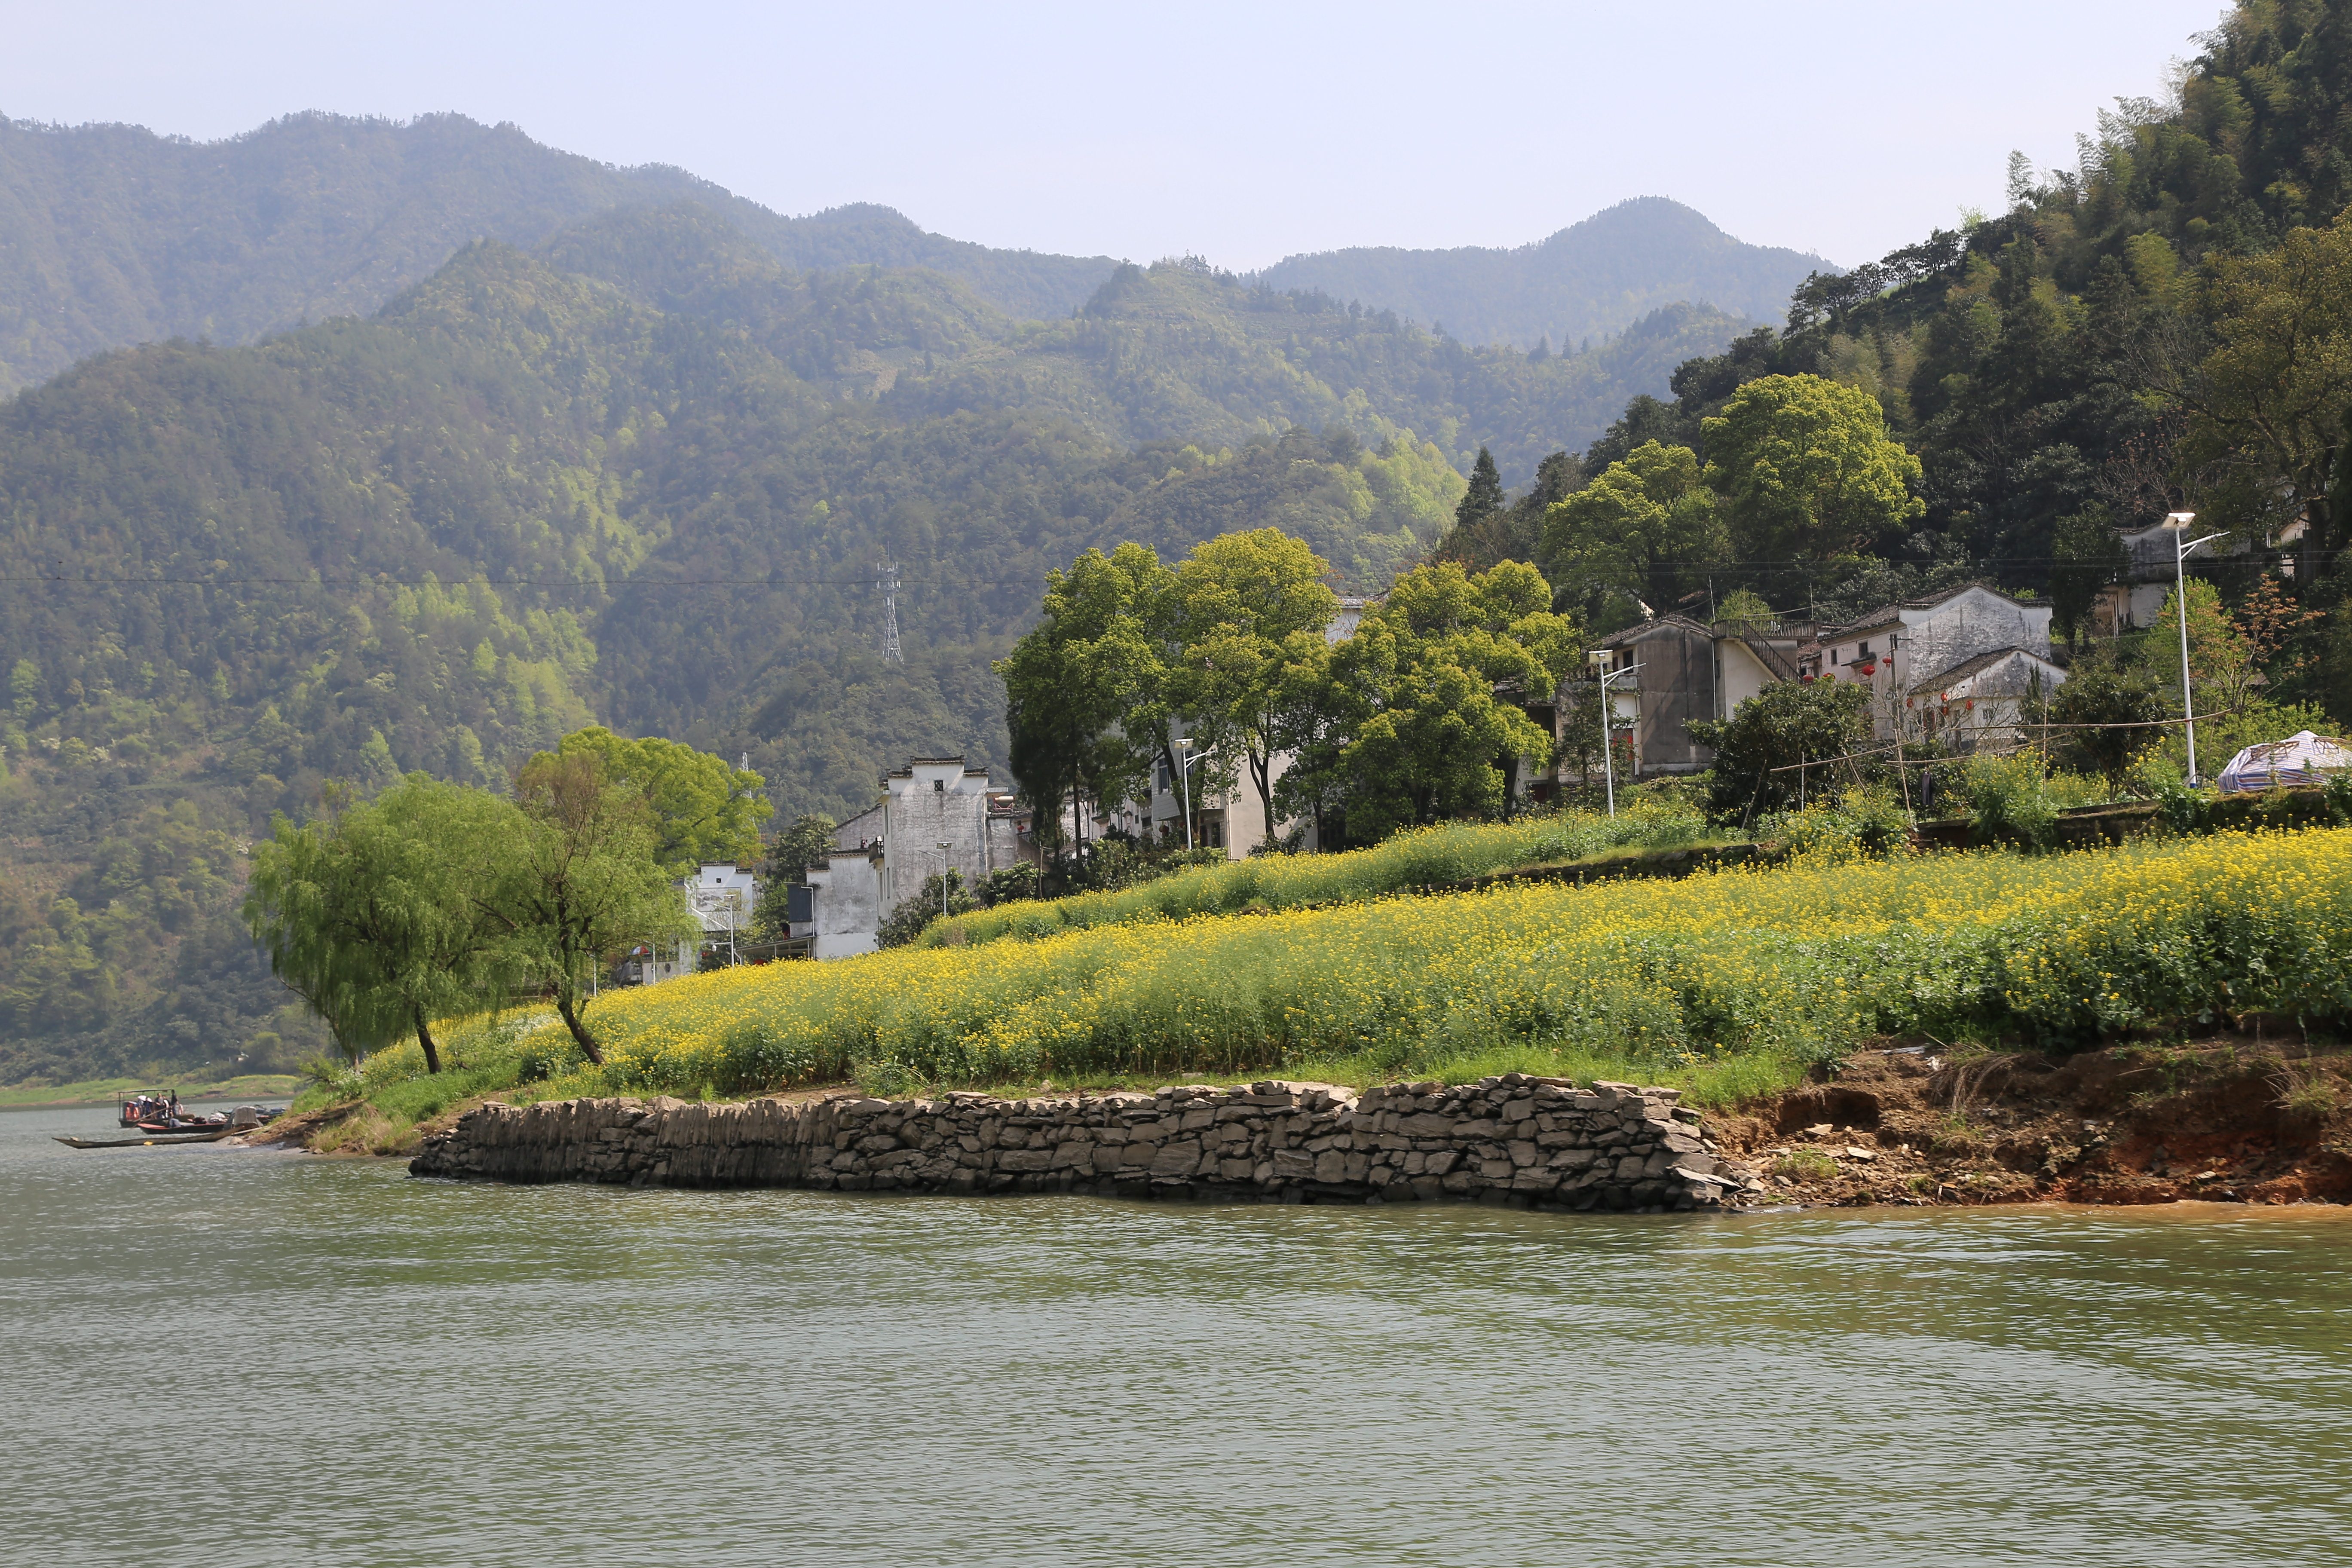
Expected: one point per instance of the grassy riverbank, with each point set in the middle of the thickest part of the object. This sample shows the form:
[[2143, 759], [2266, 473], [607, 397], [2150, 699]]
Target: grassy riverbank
[[112, 1091], [1728, 985]]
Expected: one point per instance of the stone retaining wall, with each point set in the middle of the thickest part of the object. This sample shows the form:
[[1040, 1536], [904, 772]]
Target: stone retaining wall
[[1513, 1139]]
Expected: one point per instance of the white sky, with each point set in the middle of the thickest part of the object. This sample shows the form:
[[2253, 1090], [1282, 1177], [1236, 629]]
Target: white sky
[[1244, 132]]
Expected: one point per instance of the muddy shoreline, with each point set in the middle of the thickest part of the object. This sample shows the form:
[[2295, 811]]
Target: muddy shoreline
[[2229, 1119]]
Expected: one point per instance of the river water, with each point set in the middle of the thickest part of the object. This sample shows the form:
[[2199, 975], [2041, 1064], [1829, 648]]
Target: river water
[[226, 1356]]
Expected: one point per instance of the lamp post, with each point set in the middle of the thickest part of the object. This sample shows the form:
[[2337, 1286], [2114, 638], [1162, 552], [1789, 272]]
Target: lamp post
[[1608, 760], [2178, 523], [1184, 762]]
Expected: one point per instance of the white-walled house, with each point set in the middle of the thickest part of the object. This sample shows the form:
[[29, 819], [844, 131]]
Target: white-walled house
[[1953, 666], [721, 898], [935, 814]]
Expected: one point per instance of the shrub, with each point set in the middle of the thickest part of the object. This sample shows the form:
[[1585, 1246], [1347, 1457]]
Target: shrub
[[1861, 823], [1805, 1165], [2007, 802]]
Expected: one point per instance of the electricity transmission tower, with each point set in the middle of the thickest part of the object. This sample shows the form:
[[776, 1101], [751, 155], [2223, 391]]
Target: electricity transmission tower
[[888, 581]]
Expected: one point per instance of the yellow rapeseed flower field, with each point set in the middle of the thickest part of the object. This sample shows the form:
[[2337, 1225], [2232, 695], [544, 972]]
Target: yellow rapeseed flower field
[[1805, 960]]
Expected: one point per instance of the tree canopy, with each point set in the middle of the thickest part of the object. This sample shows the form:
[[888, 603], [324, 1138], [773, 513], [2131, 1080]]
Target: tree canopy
[[703, 811], [1634, 540], [1807, 471]]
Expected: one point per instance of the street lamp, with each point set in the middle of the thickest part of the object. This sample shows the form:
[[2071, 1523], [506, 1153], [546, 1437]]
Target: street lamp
[[1184, 762], [1608, 760], [2178, 523]]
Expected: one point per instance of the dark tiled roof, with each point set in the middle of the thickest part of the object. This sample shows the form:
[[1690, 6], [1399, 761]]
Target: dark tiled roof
[[1890, 613], [1981, 663], [1636, 632]]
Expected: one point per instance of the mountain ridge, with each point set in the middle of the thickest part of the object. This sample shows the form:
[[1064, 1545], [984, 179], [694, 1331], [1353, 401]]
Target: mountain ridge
[[1631, 258], [119, 235]]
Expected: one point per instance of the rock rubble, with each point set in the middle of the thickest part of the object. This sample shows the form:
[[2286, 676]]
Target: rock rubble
[[1513, 1139]]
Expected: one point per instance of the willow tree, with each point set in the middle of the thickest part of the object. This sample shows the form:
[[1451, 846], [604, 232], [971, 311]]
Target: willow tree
[[370, 915], [578, 882], [295, 897]]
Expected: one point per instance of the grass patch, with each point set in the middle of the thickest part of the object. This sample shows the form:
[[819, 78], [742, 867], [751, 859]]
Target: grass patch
[[114, 1090], [1805, 1165], [1422, 859]]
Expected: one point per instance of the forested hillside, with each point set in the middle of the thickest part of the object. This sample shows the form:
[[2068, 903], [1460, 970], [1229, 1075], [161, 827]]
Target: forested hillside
[[1589, 280], [643, 476], [115, 235], [2166, 324]]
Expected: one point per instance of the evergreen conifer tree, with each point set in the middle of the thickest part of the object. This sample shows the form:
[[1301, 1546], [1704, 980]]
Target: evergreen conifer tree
[[1484, 495]]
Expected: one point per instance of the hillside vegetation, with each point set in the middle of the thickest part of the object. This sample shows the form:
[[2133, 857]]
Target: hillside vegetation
[[117, 235]]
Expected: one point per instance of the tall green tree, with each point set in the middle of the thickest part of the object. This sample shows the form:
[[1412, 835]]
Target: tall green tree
[[1426, 716], [1807, 470], [2272, 403], [2089, 557], [580, 883], [1086, 688], [1252, 606], [1640, 536], [807, 842], [1484, 495], [704, 812], [373, 914]]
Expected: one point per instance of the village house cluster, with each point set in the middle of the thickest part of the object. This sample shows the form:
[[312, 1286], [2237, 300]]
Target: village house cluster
[[1954, 667]]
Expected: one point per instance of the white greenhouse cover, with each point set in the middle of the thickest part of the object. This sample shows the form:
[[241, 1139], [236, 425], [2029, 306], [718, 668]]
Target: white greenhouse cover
[[2300, 759]]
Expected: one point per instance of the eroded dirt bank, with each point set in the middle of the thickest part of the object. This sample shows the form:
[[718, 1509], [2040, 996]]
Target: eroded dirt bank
[[2228, 1118]]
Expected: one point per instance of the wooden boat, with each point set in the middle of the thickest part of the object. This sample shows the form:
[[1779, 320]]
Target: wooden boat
[[210, 1135], [161, 1112]]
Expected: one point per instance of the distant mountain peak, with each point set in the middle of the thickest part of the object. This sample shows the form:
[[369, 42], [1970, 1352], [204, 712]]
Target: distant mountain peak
[[1591, 279]]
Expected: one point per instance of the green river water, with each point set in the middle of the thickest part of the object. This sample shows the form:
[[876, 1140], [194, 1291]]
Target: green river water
[[222, 1356]]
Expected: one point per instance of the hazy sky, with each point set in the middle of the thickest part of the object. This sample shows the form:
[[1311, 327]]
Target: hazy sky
[[1241, 132]]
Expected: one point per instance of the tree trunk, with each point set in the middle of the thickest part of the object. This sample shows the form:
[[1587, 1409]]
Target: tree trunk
[[425, 1038], [568, 1009]]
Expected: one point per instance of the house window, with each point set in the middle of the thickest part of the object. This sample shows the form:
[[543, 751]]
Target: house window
[[1866, 650], [1833, 655]]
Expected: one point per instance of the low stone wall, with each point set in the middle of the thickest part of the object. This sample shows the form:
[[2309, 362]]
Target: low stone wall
[[1516, 1140]]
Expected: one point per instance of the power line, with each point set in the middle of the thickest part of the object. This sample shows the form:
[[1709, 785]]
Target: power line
[[590, 583]]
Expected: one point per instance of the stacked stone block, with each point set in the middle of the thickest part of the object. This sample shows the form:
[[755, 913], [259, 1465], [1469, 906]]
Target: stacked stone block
[[1513, 1139]]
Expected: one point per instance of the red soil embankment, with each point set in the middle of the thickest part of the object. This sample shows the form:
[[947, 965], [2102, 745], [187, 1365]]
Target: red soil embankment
[[2229, 1119]]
